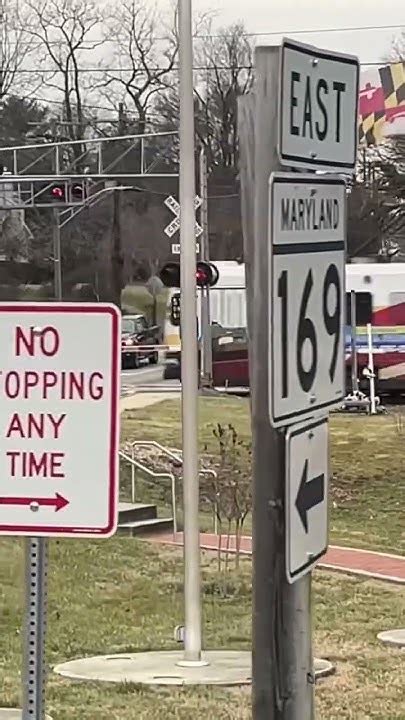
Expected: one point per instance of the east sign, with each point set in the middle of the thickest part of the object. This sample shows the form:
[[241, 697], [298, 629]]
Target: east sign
[[318, 103]]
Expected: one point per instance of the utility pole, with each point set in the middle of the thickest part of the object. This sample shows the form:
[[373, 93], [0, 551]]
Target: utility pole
[[206, 354], [189, 345], [282, 685], [353, 341], [57, 256], [36, 570]]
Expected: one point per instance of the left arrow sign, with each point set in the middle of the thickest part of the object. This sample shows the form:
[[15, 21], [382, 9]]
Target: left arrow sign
[[58, 502], [310, 493]]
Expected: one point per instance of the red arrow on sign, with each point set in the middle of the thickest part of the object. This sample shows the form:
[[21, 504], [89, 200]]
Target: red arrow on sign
[[58, 502]]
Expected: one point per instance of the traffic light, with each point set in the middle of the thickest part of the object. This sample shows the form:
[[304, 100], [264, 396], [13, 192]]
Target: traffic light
[[58, 193], [170, 274], [207, 274], [175, 310], [64, 193], [77, 191]]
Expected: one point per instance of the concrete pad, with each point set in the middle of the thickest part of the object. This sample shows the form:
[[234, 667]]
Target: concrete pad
[[395, 638], [219, 667], [14, 714]]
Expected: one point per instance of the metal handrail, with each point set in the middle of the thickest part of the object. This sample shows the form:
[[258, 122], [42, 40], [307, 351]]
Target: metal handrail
[[147, 471], [165, 451], [173, 456]]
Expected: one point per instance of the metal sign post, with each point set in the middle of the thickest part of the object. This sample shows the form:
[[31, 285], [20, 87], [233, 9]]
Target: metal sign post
[[189, 346], [206, 355], [353, 341], [296, 355], [33, 661]]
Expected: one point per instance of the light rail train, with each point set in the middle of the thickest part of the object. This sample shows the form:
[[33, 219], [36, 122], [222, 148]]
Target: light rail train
[[380, 300]]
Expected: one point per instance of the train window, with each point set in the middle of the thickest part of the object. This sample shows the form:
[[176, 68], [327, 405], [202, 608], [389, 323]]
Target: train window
[[364, 308]]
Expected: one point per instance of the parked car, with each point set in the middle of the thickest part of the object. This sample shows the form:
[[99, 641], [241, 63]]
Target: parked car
[[136, 331]]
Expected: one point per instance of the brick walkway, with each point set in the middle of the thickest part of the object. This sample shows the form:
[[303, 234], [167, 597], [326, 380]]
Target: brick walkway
[[377, 565]]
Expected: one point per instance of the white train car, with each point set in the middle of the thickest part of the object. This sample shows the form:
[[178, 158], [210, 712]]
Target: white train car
[[380, 300]]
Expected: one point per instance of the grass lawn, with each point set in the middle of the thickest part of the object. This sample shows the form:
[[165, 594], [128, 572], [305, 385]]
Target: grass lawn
[[123, 595], [368, 465]]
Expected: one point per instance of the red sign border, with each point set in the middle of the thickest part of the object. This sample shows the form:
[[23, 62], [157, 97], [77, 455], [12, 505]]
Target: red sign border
[[79, 309]]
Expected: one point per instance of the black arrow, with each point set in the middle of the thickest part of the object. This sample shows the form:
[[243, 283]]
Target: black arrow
[[310, 493]]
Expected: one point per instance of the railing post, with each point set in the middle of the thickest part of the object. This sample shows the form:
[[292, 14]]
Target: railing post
[[174, 506], [133, 474]]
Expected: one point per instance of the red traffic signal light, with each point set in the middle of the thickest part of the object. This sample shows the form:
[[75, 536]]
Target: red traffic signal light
[[58, 193], [206, 274]]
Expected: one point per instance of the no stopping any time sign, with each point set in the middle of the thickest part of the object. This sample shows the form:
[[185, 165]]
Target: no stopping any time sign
[[59, 395], [307, 231]]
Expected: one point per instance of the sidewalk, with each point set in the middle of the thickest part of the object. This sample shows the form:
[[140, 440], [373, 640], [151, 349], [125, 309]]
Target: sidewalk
[[380, 566], [140, 400]]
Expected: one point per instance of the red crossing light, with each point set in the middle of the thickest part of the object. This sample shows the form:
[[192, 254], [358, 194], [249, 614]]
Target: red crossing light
[[207, 274], [58, 192]]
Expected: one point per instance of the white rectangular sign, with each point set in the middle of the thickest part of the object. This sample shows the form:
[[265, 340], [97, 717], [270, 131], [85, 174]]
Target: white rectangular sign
[[319, 94], [59, 419], [306, 500], [307, 234], [176, 248]]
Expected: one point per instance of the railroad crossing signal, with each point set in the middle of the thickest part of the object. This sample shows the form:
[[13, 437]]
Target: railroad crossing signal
[[207, 274], [174, 226], [63, 193]]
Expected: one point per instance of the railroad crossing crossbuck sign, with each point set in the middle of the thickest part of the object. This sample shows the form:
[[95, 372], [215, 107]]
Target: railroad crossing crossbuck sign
[[306, 499], [319, 93], [307, 231], [174, 226]]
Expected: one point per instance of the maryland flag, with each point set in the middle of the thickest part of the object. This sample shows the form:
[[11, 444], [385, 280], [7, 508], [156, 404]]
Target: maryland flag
[[381, 103]]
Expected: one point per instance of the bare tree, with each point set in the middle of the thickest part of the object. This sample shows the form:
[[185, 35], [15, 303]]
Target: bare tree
[[397, 52], [15, 51], [226, 57], [62, 32], [224, 72], [145, 52]]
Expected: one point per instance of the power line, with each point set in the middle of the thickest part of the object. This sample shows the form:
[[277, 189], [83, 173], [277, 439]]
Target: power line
[[267, 33], [318, 31], [61, 103], [196, 68]]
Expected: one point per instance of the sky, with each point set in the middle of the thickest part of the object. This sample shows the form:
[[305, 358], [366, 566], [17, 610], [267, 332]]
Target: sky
[[365, 28], [285, 16]]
